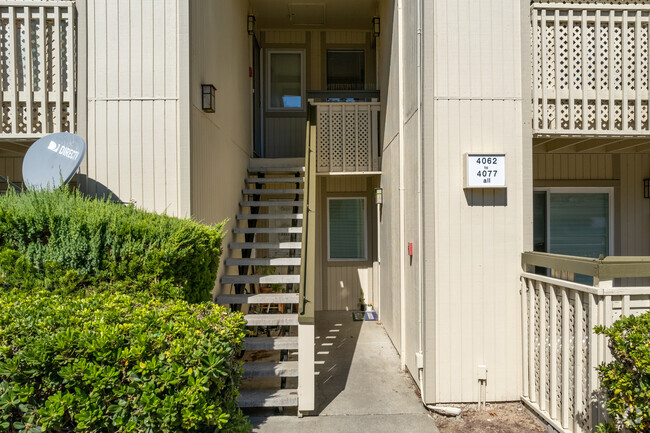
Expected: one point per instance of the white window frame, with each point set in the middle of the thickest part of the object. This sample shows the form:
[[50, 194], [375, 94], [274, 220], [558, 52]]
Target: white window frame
[[365, 230], [303, 84], [583, 190]]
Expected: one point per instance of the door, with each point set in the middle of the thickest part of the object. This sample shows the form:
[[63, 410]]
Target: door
[[257, 100]]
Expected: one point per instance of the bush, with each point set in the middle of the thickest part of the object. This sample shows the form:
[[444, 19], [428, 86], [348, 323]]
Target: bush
[[65, 242], [626, 380], [107, 363]]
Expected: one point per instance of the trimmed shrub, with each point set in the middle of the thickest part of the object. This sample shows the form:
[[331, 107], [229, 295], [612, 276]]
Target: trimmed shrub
[[62, 241], [108, 363], [626, 380]]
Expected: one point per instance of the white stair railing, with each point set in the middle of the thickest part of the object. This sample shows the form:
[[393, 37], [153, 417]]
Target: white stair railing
[[37, 68]]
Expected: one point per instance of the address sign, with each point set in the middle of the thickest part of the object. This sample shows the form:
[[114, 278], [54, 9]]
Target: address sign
[[485, 171]]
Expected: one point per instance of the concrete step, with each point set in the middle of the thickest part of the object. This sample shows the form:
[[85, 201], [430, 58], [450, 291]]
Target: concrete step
[[271, 369], [293, 191], [288, 261], [297, 203], [260, 279], [269, 216], [268, 398], [297, 230], [271, 319], [259, 298], [275, 179], [271, 343], [265, 245]]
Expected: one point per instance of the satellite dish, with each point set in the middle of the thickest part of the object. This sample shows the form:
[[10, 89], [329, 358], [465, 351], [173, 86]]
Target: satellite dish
[[53, 160]]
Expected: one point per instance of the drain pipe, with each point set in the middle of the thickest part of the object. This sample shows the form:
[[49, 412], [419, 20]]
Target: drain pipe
[[442, 410], [402, 242]]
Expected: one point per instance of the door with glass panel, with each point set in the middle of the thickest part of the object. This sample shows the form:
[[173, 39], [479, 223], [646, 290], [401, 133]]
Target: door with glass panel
[[575, 222]]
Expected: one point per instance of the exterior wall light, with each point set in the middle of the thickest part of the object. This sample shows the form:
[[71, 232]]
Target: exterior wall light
[[646, 188], [375, 26], [250, 24], [207, 97], [379, 195]]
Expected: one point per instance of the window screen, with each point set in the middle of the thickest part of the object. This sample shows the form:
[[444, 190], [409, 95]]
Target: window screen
[[347, 228], [285, 71]]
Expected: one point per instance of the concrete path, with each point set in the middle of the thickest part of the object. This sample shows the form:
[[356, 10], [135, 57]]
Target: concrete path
[[359, 385]]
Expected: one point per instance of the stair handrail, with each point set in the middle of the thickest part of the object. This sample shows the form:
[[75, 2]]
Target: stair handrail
[[308, 251]]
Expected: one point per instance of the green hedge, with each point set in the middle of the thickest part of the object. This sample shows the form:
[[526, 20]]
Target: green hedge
[[61, 240], [626, 380], [108, 363]]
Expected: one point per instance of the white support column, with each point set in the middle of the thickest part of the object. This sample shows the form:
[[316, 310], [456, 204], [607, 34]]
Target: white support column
[[306, 368]]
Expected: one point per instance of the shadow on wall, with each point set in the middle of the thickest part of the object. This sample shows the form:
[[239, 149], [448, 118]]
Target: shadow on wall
[[336, 339], [487, 197], [95, 189]]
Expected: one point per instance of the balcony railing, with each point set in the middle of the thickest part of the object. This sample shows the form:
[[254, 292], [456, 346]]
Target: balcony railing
[[37, 68], [590, 68], [561, 350], [347, 133]]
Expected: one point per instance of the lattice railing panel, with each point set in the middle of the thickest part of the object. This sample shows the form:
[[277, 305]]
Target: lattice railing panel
[[347, 137], [591, 73], [37, 68]]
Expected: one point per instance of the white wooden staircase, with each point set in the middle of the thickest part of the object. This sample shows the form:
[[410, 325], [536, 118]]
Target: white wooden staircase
[[269, 238]]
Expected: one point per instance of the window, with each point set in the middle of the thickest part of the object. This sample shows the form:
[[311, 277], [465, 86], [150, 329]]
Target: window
[[286, 86], [575, 222], [346, 70], [346, 221]]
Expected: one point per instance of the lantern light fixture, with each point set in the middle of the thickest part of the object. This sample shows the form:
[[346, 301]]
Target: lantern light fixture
[[250, 24], [207, 97], [375, 26], [646, 188]]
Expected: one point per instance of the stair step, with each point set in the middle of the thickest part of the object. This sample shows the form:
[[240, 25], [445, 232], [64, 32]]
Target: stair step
[[271, 343], [269, 191], [265, 245], [270, 216], [297, 230], [270, 203], [259, 298], [284, 261], [268, 398], [275, 179], [260, 279], [271, 369], [271, 319], [295, 169]]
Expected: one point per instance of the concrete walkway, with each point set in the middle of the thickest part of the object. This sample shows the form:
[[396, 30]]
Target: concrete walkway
[[359, 385]]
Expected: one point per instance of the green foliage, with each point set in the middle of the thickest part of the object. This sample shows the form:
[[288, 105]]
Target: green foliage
[[626, 380], [112, 363], [64, 242]]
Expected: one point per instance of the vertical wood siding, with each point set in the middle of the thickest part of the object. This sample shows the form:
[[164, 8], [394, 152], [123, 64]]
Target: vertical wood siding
[[475, 240], [134, 56], [573, 166]]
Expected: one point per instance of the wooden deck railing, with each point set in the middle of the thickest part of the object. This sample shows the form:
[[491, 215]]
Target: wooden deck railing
[[561, 351], [590, 68], [347, 137], [37, 68]]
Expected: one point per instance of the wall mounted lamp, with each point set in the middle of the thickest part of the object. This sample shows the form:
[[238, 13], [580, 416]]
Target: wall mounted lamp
[[379, 195], [375, 26], [207, 97], [646, 188], [250, 24]]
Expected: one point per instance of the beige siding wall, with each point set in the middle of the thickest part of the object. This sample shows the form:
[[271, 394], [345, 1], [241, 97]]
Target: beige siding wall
[[11, 168], [221, 141], [341, 284], [137, 130], [473, 103], [552, 166]]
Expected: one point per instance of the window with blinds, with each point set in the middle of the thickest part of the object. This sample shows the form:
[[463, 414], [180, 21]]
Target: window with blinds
[[346, 221]]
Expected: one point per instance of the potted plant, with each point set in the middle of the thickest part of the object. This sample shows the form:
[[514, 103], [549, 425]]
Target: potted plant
[[263, 271], [362, 304]]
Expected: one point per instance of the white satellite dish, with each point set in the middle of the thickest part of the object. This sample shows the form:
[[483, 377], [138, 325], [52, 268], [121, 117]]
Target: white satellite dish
[[53, 160]]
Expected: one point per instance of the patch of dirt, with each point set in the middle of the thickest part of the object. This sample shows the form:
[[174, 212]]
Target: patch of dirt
[[496, 418]]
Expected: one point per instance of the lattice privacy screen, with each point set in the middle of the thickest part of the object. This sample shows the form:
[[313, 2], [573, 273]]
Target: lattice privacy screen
[[37, 69], [347, 138], [590, 68]]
